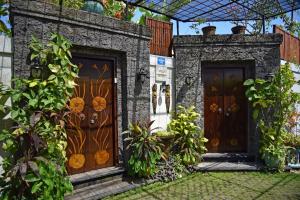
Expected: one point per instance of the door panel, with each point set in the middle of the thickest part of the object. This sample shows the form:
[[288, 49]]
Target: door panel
[[91, 122], [235, 113], [225, 109], [213, 93]]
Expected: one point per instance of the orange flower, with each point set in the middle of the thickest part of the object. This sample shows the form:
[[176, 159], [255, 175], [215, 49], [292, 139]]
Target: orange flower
[[118, 15], [99, 103], [77, 105]]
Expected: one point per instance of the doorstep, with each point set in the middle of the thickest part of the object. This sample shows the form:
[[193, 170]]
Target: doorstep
[[228, 166]]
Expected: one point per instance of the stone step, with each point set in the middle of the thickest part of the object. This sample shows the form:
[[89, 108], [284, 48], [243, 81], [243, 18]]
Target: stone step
[[102, 190], [108, 174], [228, 157], [228, 166]]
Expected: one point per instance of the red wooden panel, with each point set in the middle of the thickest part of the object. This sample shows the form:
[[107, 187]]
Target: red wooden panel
[[290, 47], [162, 32]]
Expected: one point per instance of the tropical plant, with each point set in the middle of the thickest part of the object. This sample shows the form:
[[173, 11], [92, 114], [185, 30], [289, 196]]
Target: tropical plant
[[3, 15], [145, 149], [76, 4], [34, 165], [117, 9], [149, 14], [273, 103], [190, 138]]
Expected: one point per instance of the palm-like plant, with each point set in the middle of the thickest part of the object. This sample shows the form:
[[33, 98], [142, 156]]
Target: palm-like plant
[[145, 149]]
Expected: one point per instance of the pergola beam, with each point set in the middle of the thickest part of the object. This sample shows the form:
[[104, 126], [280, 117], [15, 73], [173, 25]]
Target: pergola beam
[[187, 20]]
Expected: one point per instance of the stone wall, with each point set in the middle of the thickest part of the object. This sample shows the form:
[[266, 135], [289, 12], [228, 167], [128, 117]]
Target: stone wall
[[192, 51], [91, 34]]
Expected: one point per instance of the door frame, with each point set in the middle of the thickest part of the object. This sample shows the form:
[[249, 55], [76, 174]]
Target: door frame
[[115, 98], [249, 72]]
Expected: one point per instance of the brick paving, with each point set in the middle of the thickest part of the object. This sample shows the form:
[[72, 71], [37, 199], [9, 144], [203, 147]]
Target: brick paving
[[221, 185]]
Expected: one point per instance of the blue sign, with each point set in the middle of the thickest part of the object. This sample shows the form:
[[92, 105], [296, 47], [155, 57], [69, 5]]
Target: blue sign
[[161, 61]]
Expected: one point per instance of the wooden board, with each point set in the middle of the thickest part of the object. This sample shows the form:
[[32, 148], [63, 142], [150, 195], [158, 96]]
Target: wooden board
[[91, 126]]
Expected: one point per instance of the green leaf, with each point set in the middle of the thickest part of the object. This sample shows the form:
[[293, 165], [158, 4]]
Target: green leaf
[[249, 82], [255, 113], [36, 187], [33, 83]]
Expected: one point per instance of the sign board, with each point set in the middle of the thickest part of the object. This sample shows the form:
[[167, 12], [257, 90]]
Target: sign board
[[161, 61], [161, 73]]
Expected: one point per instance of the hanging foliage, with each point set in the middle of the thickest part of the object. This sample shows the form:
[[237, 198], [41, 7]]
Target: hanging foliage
[[34, 167]]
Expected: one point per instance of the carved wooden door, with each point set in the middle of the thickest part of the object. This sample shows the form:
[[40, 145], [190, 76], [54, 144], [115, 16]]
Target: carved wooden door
[[225, 109], [91, 124]]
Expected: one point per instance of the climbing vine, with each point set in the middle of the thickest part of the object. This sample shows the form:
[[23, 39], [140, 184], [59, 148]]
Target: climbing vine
[[34, 167]]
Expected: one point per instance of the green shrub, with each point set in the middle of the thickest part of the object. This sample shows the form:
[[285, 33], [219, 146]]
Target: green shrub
[[145, 150], [34, 167], [190, 138], [273, 104]]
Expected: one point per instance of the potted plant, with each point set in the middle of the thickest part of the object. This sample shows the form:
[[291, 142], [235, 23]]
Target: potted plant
[[93, 6], [238, 29], [167, 139], [209, 30]]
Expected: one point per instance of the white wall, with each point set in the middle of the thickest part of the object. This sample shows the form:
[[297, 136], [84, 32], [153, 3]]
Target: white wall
[[5, 59], [5, 73], [161, 117]]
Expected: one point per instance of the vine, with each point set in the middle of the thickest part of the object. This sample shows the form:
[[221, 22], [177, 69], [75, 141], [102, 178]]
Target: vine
[[34, 165]]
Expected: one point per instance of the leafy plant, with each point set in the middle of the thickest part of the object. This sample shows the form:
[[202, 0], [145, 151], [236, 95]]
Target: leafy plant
[[145, 149], [76, 4], [116, 9], [170, 169], [292, 140], [190, 138], [34, 167], [273, 103], [149, 14], [4, 95], [3, 14]]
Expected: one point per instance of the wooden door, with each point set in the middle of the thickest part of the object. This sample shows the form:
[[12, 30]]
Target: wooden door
[[91, 127], [225, 109]]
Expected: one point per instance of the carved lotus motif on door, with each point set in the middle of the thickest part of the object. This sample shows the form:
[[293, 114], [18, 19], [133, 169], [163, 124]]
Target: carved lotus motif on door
[[213, 107]]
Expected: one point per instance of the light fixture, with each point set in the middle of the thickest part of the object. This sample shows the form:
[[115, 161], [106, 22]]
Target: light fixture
[[142, 75], [36, 69], [163, 86], [188, 80], [269, 76]]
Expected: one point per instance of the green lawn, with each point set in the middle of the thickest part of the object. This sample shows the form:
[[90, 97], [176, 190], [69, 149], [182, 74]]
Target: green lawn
[[223, 185]]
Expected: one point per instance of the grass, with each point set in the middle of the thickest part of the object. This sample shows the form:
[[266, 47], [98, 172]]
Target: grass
[[223, 185]]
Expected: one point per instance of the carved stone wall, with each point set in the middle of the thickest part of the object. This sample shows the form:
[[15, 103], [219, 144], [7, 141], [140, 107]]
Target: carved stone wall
[[91, 34], [192, 51]]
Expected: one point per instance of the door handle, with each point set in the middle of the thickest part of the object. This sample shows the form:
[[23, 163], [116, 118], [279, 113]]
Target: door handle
[[94, 118], [220, 110]]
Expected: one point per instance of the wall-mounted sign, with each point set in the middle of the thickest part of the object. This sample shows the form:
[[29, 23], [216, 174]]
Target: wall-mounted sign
[[161, 61], [161, 73]]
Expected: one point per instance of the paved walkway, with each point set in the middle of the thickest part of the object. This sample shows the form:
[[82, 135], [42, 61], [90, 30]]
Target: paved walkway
[[222, 185]]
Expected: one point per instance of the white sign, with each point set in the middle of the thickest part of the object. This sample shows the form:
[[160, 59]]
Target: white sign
[[161, 73]]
